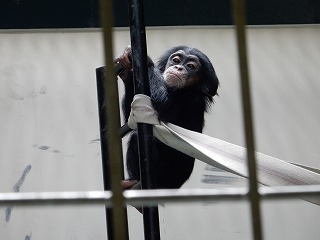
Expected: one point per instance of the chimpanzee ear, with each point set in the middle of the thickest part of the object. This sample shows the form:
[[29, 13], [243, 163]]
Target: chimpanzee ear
[[162, 66], [210, 85], [162, 63]]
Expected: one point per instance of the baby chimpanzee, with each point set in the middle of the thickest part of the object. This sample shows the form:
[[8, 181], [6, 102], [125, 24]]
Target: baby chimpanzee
[[182, 87]]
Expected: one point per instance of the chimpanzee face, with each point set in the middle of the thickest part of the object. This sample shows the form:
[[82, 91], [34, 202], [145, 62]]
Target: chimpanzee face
[[182, 70]]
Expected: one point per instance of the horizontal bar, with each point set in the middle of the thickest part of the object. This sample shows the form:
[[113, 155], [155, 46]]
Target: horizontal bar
[[136, 198], [183, 195], [290, 192], [152, 197], [56, 198]]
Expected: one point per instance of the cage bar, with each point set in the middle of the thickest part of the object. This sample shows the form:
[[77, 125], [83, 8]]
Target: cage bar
[[110, 89], [152, 197], [240, 22]]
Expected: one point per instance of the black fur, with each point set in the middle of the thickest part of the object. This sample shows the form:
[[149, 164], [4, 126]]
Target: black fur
[[184, 107]]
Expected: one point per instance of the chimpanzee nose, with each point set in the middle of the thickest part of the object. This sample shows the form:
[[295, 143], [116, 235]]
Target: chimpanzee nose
[[178, 67]]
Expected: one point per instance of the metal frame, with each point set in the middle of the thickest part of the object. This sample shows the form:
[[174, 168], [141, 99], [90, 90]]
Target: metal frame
[[118, 199]]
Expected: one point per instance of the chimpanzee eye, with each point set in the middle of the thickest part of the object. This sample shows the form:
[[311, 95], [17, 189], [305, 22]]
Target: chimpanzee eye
[[176, 60], [191, 66]]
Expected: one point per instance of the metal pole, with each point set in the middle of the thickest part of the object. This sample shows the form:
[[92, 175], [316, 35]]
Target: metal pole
[[154, 197], [145, 132], [100, 76], [239, 18], [113, 118], [104, 145]]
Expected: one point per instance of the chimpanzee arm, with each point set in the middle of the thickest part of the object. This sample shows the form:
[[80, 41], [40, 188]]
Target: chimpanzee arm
[[158, 90]]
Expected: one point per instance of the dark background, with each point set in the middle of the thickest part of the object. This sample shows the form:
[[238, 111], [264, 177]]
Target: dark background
[[32, 14]]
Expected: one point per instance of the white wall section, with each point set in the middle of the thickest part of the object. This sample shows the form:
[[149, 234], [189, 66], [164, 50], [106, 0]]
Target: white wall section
[[49, 130]]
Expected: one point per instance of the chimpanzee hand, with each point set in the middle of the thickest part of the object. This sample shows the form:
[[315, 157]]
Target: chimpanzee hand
[[125, 61], [125, 58]]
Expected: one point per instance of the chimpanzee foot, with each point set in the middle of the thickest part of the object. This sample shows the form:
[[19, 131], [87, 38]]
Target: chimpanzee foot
[[130, 185]]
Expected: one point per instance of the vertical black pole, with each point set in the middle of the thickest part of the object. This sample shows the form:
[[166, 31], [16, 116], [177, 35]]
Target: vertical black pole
[[102, 107], [104, 145], [145, 133]]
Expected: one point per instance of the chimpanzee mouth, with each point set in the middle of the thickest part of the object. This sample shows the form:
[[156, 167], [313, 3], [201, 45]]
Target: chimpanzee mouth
[[175, 75]]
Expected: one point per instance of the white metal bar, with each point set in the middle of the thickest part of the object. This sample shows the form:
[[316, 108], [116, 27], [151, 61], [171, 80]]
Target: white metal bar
[[138, 197]]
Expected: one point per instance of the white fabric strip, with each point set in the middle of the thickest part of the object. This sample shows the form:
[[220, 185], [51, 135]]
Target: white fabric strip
[[232, 158]]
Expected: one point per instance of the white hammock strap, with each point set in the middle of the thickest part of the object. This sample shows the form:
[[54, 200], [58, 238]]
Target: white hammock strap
[[232, 158], [142, 112]]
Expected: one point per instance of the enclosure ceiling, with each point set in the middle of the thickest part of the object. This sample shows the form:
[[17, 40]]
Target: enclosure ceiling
[[35, 14]]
